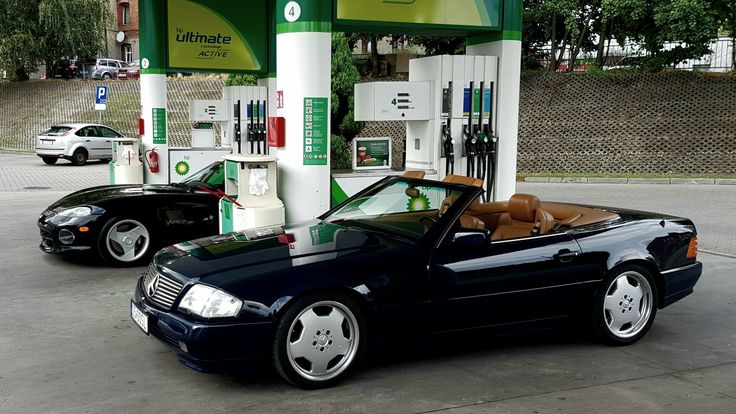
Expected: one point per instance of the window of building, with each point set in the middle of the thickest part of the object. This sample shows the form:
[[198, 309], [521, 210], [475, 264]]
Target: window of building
[[125, 11], [126, 52]]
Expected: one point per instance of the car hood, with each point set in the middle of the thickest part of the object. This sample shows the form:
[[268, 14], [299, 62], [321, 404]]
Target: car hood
[[102, 194], [228, 258]]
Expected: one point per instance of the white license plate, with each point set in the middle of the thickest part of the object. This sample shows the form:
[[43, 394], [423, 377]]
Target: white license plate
[[140, 318]]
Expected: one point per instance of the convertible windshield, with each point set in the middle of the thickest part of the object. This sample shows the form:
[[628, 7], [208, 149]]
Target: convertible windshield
[[399, 207], [210, 176]]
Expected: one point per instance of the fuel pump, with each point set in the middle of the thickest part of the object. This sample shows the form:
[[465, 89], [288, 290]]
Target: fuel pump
[[260, 133], [492, 147], [237, 134], [482, 141], [470, 144], [251, 126], [448, 145]]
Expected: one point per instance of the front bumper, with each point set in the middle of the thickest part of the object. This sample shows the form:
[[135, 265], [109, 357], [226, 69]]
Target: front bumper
[[50, 242], [680, 282], [232, 346]]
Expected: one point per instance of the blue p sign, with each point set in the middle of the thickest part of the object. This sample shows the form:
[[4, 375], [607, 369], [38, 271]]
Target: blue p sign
[[101, 95], [101, 98]]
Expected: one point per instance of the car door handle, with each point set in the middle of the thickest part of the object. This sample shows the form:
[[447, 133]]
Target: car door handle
[[566, 255], [88, 140]]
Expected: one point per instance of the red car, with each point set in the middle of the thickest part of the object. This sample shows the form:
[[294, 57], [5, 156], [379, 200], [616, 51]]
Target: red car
[[132, 71]]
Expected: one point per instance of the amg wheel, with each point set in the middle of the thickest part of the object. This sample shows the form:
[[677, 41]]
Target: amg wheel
[[49, 160], [625, 306], [79, 157], [124, 242], [319, 340]]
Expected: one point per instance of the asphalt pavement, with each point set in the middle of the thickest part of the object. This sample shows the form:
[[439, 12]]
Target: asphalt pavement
[[67, 344]]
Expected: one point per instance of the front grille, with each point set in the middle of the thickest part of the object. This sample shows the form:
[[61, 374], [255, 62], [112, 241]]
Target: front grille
[[158, 333], [47, 240], [166, 290]]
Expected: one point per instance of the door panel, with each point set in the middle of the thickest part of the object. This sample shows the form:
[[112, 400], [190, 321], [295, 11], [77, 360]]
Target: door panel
[[509, 281]]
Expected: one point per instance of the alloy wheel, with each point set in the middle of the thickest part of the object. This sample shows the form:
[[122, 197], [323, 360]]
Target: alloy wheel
[[627, 305], [127, 240]]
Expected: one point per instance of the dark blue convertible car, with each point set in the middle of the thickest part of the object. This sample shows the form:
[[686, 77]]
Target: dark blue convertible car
[[405, 259]]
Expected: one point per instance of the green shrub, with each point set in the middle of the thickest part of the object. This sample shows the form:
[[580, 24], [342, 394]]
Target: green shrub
[[340, 153]]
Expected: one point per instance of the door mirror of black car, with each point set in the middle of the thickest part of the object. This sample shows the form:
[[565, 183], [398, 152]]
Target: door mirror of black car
[[472, 238]]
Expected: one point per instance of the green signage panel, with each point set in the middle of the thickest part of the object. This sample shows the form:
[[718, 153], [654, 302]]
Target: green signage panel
[[215, 35], [448, 14], [159, 126], [316, 136]]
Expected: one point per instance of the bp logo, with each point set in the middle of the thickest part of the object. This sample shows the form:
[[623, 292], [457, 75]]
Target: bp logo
[[418, 203], [182, 168]]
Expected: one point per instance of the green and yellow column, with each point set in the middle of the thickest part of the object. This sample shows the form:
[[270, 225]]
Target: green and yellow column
[[506, 44], [152, 20], [303, 61]]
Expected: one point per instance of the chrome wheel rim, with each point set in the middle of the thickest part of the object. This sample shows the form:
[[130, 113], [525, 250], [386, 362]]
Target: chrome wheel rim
[[323, 341], [127, 240], [627, 305]]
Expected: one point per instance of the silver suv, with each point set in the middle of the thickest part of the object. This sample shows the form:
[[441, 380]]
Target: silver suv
[[103, 68], [76, 143]]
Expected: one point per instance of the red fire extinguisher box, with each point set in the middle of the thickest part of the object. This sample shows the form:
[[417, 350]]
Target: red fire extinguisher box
[[276, 131]]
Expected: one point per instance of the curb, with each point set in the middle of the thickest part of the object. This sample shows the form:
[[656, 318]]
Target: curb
[[631, 180]]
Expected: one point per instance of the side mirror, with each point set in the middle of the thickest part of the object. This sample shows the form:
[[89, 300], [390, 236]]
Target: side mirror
[[472, 238]]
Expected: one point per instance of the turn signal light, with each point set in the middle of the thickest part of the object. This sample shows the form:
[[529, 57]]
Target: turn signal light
[[83, 229], [692, 249]]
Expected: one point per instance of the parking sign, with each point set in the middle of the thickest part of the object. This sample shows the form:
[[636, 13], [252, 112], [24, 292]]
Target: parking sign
[[100, 98]]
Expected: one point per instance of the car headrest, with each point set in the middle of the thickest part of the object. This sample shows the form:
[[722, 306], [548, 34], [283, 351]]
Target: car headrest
[[461, 179], [523, 207]]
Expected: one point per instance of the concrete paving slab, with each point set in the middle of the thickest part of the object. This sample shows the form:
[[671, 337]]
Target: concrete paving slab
[[536, 179], [701, 181], [608, 180], [574, 180], [725, 181], [649, 181]]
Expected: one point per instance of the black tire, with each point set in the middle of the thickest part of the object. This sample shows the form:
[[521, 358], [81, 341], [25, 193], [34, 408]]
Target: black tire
[[114, 251], [49, 160], [79, 157], [351, 336], [106, 76], [610, 318]]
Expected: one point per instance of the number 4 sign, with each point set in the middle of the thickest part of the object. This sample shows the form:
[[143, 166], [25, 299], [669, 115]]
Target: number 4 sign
[[292, 11]]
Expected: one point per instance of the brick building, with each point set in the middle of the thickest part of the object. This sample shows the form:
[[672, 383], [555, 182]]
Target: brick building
[[123, 40]]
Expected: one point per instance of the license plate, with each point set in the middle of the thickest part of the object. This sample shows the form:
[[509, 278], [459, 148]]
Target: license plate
[[140, 318]]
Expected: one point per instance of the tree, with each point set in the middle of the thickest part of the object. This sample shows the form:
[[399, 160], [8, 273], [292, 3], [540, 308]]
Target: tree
[[344, 78], [19, 36], [726, 10], [36, 30], [690, 24], [433, 45], [73, 28]]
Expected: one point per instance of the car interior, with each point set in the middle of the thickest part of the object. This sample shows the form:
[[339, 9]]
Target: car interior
[[523, 215]]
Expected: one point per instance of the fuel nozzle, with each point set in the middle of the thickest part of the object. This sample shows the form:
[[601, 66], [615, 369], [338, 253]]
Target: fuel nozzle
[[448, 142]]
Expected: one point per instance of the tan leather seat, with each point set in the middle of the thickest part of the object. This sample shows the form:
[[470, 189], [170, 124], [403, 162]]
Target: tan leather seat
[[414, 174], [525, 218], [467, 221]]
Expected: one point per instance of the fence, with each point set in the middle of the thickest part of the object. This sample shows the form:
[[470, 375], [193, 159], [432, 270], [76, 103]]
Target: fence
[[28, 108], [621, 56]]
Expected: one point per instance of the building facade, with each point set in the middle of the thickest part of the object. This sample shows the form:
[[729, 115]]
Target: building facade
[[123, 40]]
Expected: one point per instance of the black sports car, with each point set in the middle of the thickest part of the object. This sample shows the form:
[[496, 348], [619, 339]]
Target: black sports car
[[410, 258], [125, 224]]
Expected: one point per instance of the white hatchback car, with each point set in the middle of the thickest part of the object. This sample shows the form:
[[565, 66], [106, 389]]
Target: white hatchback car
[[76, 143]]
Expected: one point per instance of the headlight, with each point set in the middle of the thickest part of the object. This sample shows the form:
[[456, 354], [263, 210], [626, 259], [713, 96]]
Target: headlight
[[76, 212], [209, 302]]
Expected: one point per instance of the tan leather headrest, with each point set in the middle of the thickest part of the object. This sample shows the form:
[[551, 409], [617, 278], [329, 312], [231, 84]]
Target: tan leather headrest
[[523, 207], [461, 179], [414, 174], [447, 202]]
